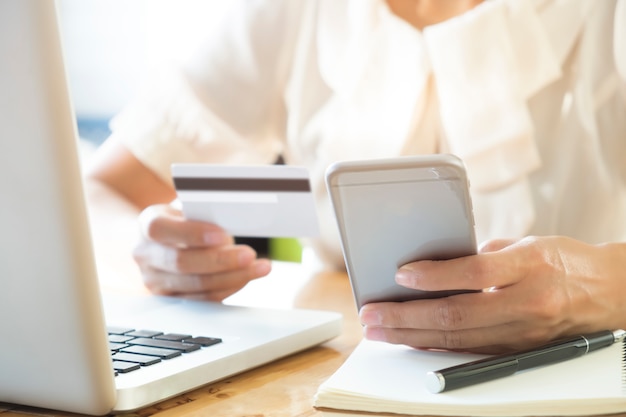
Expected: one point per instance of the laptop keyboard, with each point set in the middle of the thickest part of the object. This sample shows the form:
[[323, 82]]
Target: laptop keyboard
[[132, 349]]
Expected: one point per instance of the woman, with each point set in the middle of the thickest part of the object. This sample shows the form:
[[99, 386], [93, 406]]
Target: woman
[[528, 93]]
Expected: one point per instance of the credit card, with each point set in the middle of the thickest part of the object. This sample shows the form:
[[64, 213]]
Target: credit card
[[248, 201]]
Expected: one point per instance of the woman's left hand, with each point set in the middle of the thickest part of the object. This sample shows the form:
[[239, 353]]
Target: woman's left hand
[[534, 290]]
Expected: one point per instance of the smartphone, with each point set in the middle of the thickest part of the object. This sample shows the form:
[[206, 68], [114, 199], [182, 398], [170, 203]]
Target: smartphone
[[394, 211]]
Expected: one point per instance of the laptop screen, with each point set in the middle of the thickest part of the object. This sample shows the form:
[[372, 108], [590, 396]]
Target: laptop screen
[[47, 273]]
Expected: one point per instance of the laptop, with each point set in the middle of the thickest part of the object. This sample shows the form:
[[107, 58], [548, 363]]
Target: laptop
[[55, 351]]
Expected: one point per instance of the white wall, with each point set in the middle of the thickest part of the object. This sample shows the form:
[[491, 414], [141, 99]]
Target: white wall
[[109, 44]]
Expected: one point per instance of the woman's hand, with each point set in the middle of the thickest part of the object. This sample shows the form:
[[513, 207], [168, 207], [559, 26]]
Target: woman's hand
[[176, 256], [193, 259], [534, 290]]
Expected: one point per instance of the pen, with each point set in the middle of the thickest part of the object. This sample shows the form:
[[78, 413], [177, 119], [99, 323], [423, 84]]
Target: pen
[[503, 365]]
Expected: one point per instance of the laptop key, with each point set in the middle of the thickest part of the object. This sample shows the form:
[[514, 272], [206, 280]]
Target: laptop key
[[167, 344], [118, 330], [177, 337], [144, 333], [118, 338], [203, 341], [125, 367], [143, 360], [152, 351], [114, 347]]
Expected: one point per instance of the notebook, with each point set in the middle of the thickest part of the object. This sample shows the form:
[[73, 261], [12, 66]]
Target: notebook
[[54, 350], [380, 377]]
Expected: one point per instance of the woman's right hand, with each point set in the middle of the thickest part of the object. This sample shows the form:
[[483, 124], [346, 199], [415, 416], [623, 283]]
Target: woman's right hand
[[195, 259]]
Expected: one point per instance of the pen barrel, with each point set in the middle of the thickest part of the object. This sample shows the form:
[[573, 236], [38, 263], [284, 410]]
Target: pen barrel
[[551, 355], [600, 339], [560, 351], [473, 373]]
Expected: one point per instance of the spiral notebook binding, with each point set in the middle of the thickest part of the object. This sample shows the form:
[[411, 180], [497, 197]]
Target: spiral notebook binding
[[624, 366]]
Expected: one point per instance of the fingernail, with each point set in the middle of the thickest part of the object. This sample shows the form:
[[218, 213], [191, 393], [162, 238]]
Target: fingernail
[[262, 267], [370, 317], [246, 256], [404, 276], [375, 333], [213, 238]]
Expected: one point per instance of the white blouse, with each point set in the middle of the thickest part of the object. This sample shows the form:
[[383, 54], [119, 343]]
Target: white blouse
[[531, 94]]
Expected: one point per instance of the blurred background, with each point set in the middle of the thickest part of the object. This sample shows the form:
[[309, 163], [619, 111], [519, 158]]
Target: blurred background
[[110, 44]]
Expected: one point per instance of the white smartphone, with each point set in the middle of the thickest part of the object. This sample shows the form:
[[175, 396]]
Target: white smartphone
[[394, 211]]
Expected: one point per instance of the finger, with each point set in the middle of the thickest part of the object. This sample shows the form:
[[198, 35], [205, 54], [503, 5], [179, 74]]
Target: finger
[[464, 321], [210, 296], [495, 245], [502, 337], [167, 225], [195, 260], [465, 311], [494, 340], [475, 272], [205, 286]]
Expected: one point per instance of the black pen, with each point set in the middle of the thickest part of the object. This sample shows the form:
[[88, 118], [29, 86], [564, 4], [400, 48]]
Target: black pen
[[503, 365]]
